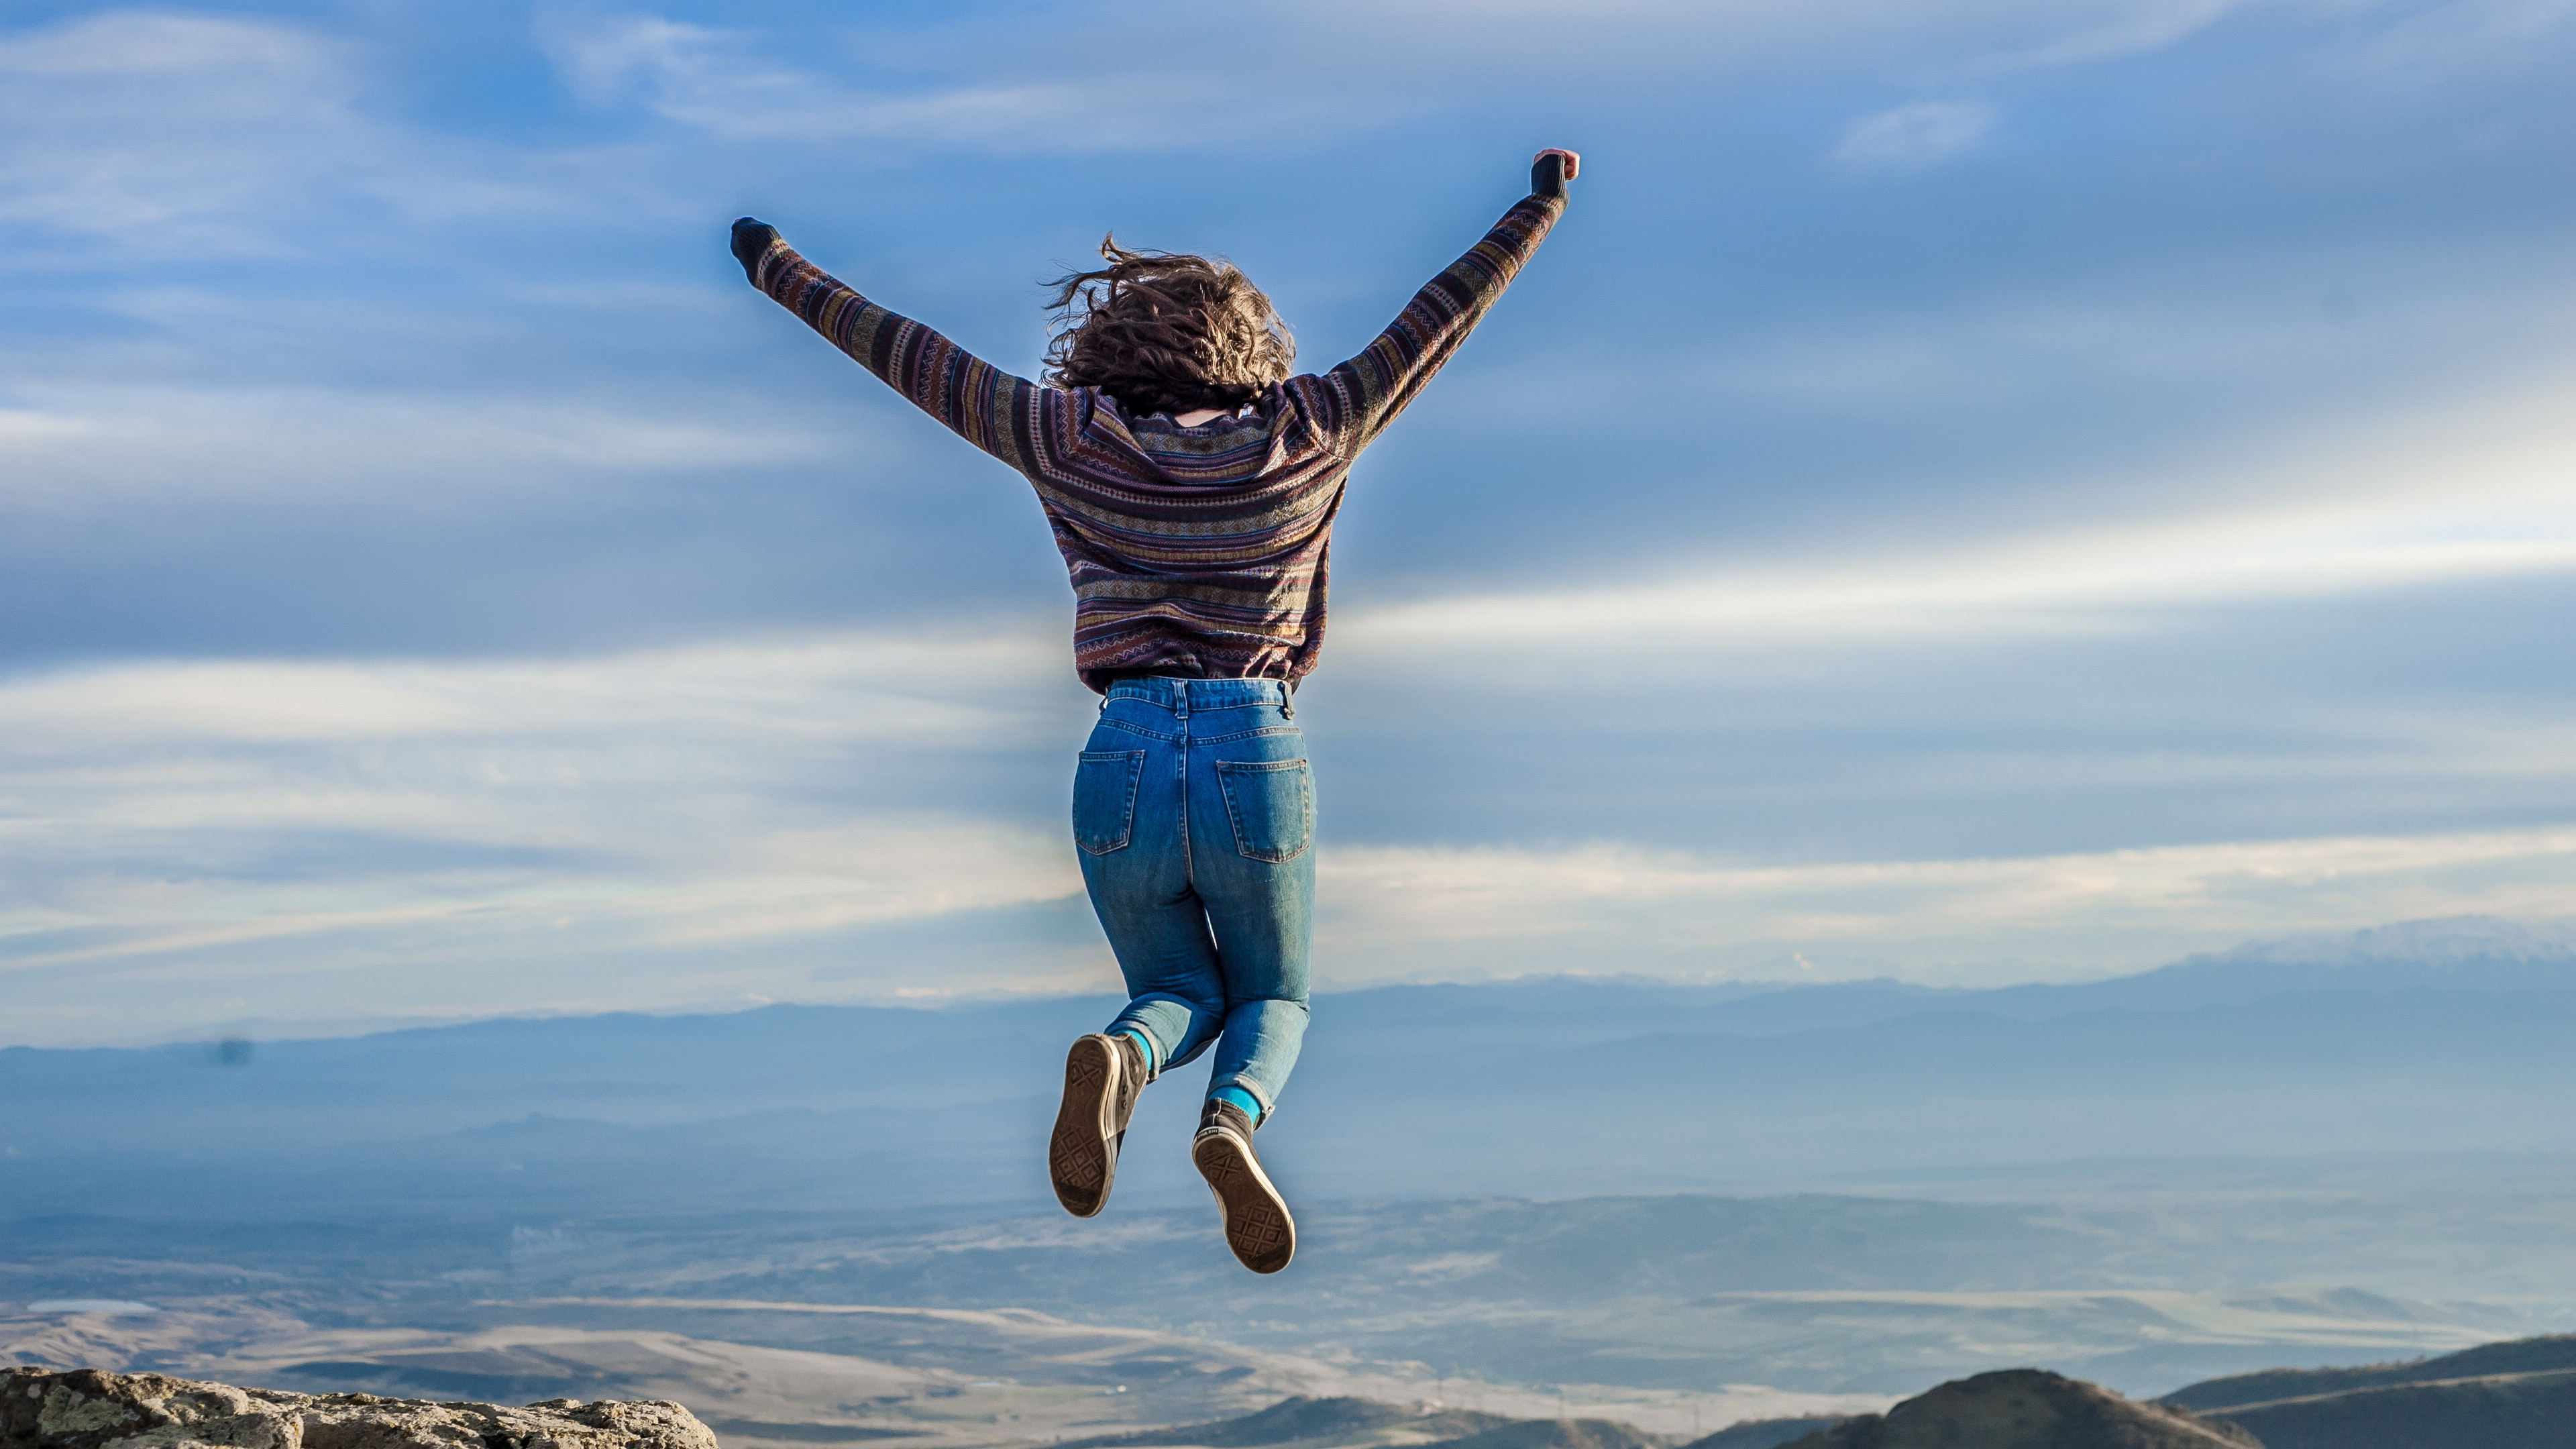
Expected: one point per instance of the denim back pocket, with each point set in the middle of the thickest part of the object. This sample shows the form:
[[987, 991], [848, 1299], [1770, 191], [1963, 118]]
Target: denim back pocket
[[1272, 804], [1104, 798]]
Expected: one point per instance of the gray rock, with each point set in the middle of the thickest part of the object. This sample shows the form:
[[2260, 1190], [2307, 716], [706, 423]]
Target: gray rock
[[91, 1409], [2027, 1409]]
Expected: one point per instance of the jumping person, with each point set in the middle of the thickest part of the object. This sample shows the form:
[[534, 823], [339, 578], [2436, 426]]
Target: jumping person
[[1191, 483]]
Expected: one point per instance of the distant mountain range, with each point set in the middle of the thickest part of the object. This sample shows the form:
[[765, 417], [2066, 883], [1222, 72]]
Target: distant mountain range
[[2439, 1036]]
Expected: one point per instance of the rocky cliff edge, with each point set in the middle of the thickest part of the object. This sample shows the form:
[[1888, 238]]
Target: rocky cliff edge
[[90, 1409]]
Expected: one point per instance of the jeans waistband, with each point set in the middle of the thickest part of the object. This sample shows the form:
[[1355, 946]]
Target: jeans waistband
[[1185, 696]]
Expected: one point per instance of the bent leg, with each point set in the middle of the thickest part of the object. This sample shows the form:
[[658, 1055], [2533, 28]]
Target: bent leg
[[1259, 1048], [1174, 983], [1127, 821], [1254, 867]]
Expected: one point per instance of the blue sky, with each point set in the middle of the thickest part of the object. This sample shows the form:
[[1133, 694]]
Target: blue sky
[[1973, 491]]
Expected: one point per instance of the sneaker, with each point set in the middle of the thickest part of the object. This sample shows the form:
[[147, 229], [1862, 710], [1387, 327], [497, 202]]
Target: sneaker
[[1257, 1225], [1102, 1077]]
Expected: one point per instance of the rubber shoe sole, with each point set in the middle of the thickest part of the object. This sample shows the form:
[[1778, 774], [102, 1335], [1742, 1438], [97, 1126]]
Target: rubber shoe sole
[[1082, 1156], [1257, 1225]]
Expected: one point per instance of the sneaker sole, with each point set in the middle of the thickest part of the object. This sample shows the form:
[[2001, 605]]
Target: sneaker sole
[[1082, 1156], [1257, 1225]]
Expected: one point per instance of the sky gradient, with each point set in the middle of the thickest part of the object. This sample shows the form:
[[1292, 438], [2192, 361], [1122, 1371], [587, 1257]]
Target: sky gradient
[[1971, 491]]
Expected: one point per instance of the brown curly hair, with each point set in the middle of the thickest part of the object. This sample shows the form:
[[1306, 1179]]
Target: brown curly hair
[[1166, 332]]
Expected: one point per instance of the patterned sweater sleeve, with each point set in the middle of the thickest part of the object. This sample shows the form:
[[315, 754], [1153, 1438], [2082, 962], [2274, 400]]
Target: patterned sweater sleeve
[[981, 403], [1369, 390]]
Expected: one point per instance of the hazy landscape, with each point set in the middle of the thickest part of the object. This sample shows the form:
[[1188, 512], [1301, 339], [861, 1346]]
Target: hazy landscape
[[1672, 1206]]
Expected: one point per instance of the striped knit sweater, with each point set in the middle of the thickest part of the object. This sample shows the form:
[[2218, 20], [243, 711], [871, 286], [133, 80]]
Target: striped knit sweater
[[1196, 551]]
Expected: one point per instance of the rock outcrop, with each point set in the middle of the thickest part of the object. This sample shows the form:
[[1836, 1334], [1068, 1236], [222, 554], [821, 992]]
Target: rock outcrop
[[2520, 1394], [2507, 1411], [2027, 1409], [2555, 1353], [91, 1409]]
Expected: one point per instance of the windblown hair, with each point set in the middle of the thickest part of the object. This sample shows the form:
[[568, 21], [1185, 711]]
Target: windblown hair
[[1166, 332]]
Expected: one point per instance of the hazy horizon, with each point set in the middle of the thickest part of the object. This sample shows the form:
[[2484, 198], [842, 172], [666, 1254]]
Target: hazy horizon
[[2448, 938]]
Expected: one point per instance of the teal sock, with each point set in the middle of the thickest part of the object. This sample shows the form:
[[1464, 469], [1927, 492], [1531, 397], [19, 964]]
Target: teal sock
[[1240, 1099], [1145, 1042]]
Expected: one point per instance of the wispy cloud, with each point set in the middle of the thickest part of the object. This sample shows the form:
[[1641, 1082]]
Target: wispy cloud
[[1446, 913], [2467, 493], [2468, 36], [2111, 581], [2107, 32], [729, 83], [1316, 75], [1917, 135], [170, 124], [201, 140], [216, 440], [515, 825], [1980, 36], [679, 828]]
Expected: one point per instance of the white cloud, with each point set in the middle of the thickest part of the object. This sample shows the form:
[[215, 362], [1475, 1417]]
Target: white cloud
[[175, 128], [1299, 79], [424, 838], [1636, 36], [2106, 32], [723, 82], [161, 49], [184, 844], [1443, 914], [2452, 494], [251, 440], [1915, 136], [2444, 41], [204, 139], [22, 426], [2110, 581]]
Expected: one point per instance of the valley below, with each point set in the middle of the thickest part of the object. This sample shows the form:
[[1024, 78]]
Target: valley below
[[1660, 1312], [830, 1224]]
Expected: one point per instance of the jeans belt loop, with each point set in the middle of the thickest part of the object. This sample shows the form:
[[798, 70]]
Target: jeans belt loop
[[1180, 699], [1287, 699]]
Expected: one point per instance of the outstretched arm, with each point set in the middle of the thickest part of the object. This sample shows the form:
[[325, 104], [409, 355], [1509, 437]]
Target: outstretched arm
[[983, 404], [1379, 383]]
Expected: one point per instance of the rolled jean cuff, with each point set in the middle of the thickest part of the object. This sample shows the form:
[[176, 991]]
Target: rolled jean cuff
[[1246, 1084], [1179, 1031]]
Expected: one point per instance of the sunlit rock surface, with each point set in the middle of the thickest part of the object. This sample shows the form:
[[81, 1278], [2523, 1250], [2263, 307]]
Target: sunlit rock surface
[[2027, 1409], [90, 1409]]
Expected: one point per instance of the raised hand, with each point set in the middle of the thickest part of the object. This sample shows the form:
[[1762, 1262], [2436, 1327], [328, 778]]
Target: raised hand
[[750, 239], [1551, 169]]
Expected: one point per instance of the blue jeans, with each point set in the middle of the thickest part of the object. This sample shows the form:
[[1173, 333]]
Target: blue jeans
[[1195, 814]]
